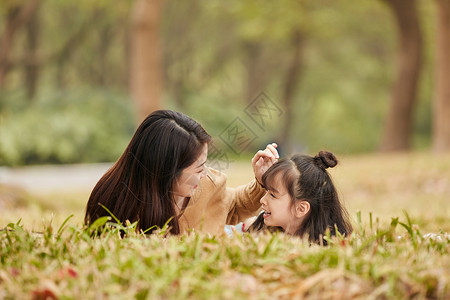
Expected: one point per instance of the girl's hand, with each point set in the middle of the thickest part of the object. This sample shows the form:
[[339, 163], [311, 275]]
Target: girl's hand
[[263, 159]]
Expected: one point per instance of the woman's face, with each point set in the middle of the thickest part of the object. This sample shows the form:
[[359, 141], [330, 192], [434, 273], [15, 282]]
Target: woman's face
[[190, 177]]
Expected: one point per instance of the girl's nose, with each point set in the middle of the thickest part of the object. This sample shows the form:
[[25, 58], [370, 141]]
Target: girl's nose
[[263, 199]]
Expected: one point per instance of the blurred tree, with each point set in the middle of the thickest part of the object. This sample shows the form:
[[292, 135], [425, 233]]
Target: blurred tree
[[73, 42], [292, 78], [74, 39], [31, 56], [267, 36], [398, 125], [181, 40], [257, 77], [322, 61], [105, 52], [441, 109], [18, 14], [146, 79], [271, 39]]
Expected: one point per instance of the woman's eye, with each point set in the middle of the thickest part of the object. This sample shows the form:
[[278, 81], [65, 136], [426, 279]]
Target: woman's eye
[[272, 195]]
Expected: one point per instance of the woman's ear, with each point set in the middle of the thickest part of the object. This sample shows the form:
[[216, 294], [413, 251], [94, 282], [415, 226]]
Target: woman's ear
[[302, 208]]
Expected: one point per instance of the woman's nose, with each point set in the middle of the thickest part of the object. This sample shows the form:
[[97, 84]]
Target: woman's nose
[[203, 173]]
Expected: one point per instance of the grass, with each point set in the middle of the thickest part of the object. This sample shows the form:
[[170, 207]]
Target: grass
[[391, 255], [380, 262]]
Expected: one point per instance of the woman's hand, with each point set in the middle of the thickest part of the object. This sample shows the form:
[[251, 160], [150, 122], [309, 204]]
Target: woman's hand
[[263, 159]]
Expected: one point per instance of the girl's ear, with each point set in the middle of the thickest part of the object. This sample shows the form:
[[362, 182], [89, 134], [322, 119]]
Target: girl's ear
[[302, 208]]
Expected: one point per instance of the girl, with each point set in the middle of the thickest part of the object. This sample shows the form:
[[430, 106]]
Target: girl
[[162, 176], [301, 198]]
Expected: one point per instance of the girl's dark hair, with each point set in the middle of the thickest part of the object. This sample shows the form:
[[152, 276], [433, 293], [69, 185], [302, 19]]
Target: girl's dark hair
[[139, 185], [306, 179]]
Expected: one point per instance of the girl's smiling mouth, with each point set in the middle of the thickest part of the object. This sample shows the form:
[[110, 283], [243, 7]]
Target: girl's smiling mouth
[[266, 214]]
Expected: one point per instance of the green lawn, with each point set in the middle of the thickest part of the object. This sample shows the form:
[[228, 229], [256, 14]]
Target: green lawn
[[380, 262], [391, 254]]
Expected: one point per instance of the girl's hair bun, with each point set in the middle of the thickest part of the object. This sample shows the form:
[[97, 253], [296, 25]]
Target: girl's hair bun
[[325, 159]]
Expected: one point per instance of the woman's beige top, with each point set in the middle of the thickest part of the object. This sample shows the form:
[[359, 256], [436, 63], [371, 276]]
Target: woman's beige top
[[214, 204]]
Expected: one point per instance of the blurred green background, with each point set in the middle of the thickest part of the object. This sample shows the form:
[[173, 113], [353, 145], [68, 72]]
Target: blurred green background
[[76, 78], [328, 65]]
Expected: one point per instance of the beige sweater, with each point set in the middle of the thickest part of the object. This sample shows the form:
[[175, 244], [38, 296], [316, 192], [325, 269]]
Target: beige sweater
[[213, 205]]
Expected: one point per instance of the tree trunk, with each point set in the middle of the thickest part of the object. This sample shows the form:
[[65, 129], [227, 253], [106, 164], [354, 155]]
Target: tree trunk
[[291, 81], [146, 78], [255, 70], [100, 71], [398, 125], [16, 17], [32, 64], [441, 107]]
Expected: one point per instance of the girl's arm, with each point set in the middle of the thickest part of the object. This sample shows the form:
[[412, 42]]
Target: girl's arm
[[245, 199]]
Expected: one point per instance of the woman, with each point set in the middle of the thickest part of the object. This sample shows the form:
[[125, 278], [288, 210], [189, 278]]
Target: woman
[[162, 176]]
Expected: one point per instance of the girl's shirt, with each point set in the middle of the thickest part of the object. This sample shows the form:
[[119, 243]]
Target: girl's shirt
[[239, 227]]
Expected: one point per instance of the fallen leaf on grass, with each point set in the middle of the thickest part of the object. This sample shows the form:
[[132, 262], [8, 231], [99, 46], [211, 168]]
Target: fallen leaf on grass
[[47, 291], [68, 271], [43, 294]]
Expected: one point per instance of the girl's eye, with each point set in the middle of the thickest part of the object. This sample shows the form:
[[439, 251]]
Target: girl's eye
[[272, 195]]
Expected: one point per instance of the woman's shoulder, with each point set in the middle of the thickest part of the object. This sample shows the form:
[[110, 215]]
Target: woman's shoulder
[[214, 177], [214, 183]]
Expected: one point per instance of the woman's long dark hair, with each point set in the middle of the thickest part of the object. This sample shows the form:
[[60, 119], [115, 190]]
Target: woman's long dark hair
[[306, 179], [139, 185]]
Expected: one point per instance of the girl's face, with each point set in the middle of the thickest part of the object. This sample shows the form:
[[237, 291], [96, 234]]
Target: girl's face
[[278, 207], [190, 176]]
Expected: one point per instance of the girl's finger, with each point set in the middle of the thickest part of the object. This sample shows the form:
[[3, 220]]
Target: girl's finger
[[260, 161], [257, 156], [272, 149], [269, 156], [266, 153]]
